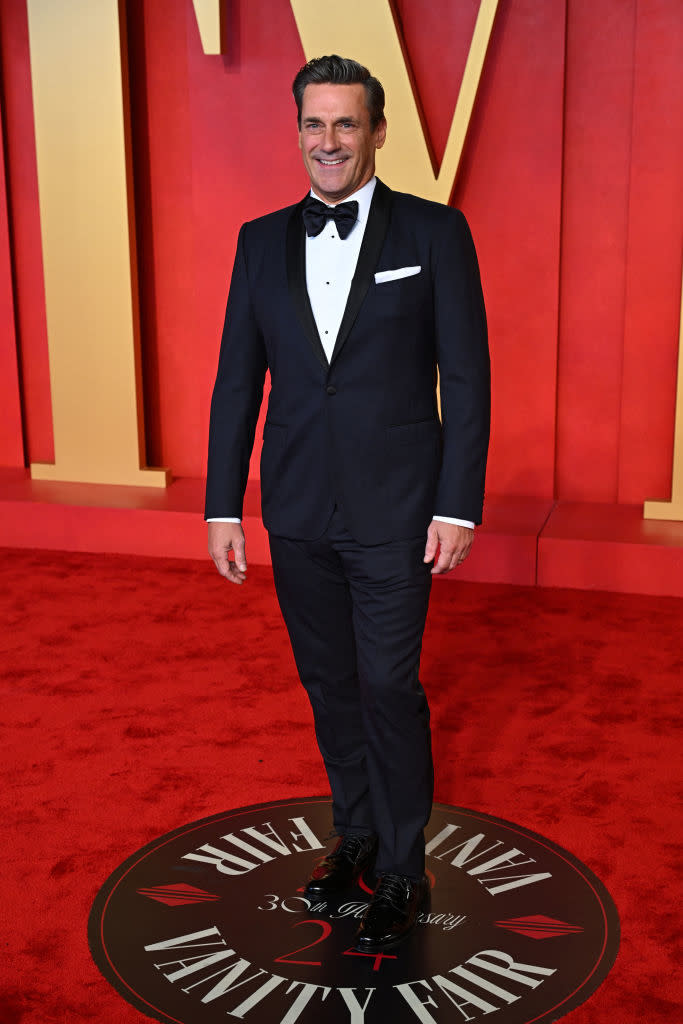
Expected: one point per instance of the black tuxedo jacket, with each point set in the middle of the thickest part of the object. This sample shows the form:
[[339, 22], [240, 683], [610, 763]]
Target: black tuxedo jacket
[[363, 430]]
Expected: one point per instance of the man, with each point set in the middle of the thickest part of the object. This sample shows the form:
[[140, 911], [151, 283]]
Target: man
[[351, 298]]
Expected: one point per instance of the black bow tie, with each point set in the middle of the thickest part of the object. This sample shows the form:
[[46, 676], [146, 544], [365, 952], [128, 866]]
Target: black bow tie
[[316, 215]]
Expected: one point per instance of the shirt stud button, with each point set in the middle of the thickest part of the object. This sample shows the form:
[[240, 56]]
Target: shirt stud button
[[331, 390]]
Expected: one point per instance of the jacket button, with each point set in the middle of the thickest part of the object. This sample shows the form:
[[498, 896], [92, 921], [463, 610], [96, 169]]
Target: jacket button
[[331, 390]]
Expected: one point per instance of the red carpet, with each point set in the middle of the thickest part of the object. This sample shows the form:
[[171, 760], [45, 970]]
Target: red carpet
[[140, 694]]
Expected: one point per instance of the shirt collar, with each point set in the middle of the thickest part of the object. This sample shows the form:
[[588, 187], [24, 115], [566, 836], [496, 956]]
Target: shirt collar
[[363, 197]]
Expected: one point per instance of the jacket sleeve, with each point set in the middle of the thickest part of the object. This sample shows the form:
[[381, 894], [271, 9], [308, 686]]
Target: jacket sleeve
[[236, 396], [464, 372]]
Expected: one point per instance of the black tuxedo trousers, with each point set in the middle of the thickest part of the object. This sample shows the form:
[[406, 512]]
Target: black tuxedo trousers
[[355, 616]]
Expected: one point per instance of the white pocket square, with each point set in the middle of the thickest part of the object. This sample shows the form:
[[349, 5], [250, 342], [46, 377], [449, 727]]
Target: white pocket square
[[393, 275]]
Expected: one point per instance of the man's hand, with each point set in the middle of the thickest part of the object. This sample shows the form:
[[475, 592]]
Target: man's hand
[[453, 541], [223, 538]]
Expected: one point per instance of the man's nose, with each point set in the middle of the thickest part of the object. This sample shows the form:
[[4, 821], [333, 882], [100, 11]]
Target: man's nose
[[330, 142]]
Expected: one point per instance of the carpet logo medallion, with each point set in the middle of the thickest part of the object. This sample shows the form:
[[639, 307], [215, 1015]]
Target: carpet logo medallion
[[209, 923]]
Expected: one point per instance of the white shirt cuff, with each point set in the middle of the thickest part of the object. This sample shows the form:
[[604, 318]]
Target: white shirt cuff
[[456, 522], [441, 519]]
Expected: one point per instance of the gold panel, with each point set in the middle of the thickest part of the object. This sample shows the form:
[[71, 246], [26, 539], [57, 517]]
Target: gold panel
[[208, 15], [367, 33], [88, 240], [673, 509]]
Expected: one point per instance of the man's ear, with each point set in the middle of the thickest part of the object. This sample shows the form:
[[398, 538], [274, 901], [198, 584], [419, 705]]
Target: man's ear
[[381, 135], [299, 139]]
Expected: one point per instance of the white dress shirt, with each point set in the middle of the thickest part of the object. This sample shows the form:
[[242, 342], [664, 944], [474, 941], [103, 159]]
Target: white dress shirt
[[330, 266]]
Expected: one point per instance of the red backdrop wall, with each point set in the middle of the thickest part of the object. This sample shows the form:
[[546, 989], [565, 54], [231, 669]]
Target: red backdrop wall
[[571, 180]]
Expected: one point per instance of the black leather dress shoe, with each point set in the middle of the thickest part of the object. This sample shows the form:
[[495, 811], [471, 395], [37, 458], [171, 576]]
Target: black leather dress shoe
[[344, 865], [392, 913]]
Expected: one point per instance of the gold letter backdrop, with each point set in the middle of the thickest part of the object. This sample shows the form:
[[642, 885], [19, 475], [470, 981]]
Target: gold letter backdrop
[[77, 68], [673, 509]]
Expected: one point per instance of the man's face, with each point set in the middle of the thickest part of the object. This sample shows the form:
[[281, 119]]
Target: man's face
[[336, 140]]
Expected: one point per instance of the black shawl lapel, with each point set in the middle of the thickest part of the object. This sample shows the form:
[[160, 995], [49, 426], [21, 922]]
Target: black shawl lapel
[[373, 240], [296, 277]]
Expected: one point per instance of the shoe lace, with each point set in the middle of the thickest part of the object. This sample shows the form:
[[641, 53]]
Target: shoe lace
[[391, 889], [352, 847]]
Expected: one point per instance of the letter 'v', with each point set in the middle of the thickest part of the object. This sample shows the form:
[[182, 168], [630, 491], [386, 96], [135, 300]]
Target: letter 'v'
[[368, 33]]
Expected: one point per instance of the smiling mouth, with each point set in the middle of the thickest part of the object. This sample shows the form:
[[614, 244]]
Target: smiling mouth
[[330, 163]]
